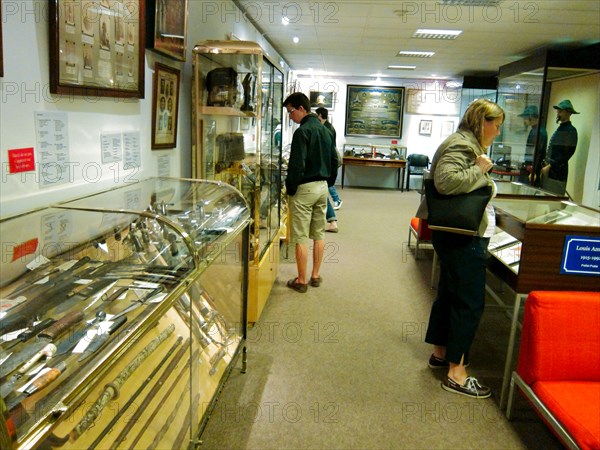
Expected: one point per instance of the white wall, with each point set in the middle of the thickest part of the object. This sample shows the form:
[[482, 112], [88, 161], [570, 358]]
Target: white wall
[[437, 94], [24, 90]]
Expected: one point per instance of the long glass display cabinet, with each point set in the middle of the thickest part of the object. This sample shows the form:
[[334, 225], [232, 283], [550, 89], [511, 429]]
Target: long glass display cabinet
[[544, 242], [237, 97], [122, 314]]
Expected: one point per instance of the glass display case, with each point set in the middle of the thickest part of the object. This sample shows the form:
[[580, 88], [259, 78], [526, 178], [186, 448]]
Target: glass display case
[[237, 98], [526, 92], [122, 313], [375, 151], [529, 249], [513, 189]]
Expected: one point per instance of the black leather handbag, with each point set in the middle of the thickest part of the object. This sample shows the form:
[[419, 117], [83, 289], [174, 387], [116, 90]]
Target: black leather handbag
[[460, 213]]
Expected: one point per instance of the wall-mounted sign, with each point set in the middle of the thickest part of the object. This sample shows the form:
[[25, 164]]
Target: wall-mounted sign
[[21, 160], [581, 256]]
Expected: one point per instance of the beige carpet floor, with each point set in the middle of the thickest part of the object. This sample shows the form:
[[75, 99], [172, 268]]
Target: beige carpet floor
[[344, 366]]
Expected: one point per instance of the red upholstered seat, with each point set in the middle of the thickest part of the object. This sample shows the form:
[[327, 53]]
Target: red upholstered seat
[[559, 360], [576, 405], [561, 337], [422, 233], [421, 228]]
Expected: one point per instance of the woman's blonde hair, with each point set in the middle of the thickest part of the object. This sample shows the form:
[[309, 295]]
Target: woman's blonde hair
[[478, 111]]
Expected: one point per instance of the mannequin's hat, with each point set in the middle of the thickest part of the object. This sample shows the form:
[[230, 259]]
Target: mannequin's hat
[[567, 106], [530, 111]]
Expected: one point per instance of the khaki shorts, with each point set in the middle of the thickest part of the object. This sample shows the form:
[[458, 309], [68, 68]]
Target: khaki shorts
[[307, 211]]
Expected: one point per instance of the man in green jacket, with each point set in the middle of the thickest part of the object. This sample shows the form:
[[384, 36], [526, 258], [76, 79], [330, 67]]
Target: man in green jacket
[[312, 168]]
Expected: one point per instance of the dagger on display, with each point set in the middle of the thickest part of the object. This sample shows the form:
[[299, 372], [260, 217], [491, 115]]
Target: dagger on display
[[49, 351], [42, 347], [29, 333], [100, 339], [41, 299], [37, 384]]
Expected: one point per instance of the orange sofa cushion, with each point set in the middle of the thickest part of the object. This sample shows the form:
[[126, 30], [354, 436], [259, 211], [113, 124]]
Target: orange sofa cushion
[[561, 337], [576, 405]]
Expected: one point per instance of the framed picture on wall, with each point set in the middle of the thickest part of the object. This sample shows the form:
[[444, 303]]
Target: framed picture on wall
[[425, 127], [165, 103], [97, 48], [167, 27], [447, 128], [321, 99], [374, 111]]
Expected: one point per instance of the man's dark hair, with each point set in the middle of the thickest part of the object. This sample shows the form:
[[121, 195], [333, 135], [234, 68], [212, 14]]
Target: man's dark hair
[[322, 112], [296, 100]]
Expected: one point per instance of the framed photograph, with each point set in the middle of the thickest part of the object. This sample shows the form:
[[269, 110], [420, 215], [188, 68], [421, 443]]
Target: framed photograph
[[447, 128], [165, 103], [97, 48], [1, 56], [323, 99], [374, 111], [245, 123], [425, 127], [167, 27]]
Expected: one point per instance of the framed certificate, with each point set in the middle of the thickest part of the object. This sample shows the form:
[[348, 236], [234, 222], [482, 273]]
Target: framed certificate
[[97, 47], [165, 103]]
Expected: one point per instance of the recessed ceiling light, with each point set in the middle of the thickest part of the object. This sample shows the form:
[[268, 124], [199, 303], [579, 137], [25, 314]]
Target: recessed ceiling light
[[415, 54], [296, 39], [426, 33], [402, 67]]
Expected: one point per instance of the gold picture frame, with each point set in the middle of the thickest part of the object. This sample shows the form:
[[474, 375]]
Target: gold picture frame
[[324, 99], [167, 27], [165, 106], [374, 111], [97, 47]]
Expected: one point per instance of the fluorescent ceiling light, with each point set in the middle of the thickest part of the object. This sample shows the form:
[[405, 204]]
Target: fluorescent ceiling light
[[402, 67], [426, 33], [416, 54], [472, 2]]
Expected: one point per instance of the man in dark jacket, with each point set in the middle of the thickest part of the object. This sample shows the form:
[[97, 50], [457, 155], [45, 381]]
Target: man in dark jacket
[[312, 168]]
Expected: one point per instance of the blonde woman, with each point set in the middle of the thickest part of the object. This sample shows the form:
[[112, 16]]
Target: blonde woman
[[461, 165]]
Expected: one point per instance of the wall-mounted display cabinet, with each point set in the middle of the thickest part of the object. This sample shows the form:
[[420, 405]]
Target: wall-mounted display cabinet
[[122, 314], [237, 98]]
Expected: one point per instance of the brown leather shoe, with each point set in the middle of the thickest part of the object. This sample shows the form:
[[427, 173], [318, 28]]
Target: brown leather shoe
[[298, 287], [316, 282]]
